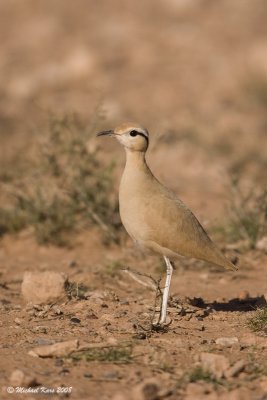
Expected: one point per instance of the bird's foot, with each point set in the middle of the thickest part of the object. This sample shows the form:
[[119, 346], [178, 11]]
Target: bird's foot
[[161, 326]]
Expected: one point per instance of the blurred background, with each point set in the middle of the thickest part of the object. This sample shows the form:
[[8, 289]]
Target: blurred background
[[194, 72]]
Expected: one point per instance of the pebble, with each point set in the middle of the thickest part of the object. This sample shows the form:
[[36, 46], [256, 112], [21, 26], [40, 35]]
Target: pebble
[[121, 396], [216, 364], [88, 375], [55, 350], [244, 295], [111, 375], [140, 336], [120, 314], [237, 394], [64, 371], [262, 244], [19, 378], [250, 339], [197, 390], [146, 390], [227, 341], [202, 313], [73, 264], [238, 367], [40, 329], [124, 302], [43, 341], [75, 320], [57, 310], [91, 315], [263, 385], [44, 287]]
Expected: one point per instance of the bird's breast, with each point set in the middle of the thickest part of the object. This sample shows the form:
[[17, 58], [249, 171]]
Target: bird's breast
[[134, 201], [133, 217]]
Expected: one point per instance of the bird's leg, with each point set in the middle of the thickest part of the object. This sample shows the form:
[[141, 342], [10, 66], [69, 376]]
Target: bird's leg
[[163, 311]]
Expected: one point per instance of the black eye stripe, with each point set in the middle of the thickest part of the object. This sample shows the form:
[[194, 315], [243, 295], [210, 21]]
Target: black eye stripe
[[134, 133]]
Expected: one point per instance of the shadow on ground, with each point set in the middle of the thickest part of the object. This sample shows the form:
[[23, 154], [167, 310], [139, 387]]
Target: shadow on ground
[[236, 304]]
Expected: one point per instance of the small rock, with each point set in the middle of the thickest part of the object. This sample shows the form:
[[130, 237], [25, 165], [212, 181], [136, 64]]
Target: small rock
[[112, 341], [124, 302], [250, 339], [262, 244], [227, 341], [40, 329], [147, 390], [197, 390], [97, 295], [216, 364], [43, 341], [44, 287], [197, 302], [18, 321], [59, 362], [202, 313], [120, 314], [18, 378], [55, 350], [107, 318], [121, 396], [235, 369], [57, 310], [182, 312], [64, 371], [140, 336], [263, 385], [38, 307], [244, 295], [88, 375], [75, 320], [112, 375], [73, 264], [91, 315], [237, 394]]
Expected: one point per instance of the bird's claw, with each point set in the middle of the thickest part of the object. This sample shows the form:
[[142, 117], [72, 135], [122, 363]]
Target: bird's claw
[[161, 327]]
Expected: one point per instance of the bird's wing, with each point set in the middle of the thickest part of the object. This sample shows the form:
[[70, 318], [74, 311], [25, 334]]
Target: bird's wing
[[175, 227]]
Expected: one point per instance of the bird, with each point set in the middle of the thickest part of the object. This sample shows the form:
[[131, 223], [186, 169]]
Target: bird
[[154, 216]]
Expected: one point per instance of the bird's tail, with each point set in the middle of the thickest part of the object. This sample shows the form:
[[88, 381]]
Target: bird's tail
[[229, 265], [224, 262]]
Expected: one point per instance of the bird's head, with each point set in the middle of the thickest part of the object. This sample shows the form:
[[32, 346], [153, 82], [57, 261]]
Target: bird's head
[[132, 136]]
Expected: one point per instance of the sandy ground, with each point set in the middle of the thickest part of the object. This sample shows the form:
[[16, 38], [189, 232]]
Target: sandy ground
[[194, 73]]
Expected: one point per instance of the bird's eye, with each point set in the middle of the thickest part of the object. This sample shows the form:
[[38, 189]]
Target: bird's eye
[[133, 133]]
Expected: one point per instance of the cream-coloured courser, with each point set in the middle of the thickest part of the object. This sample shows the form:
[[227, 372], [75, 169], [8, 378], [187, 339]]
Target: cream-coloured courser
[[153, 215]]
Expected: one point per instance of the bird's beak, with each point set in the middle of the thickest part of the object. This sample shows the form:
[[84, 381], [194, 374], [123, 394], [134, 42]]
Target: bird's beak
[[105, 133]]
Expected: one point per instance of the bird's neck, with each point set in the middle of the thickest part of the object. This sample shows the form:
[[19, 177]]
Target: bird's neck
[[135, 159], [136, 174]]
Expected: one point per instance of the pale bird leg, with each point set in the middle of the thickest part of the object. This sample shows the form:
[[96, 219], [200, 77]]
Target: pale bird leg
[[163, 311]]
